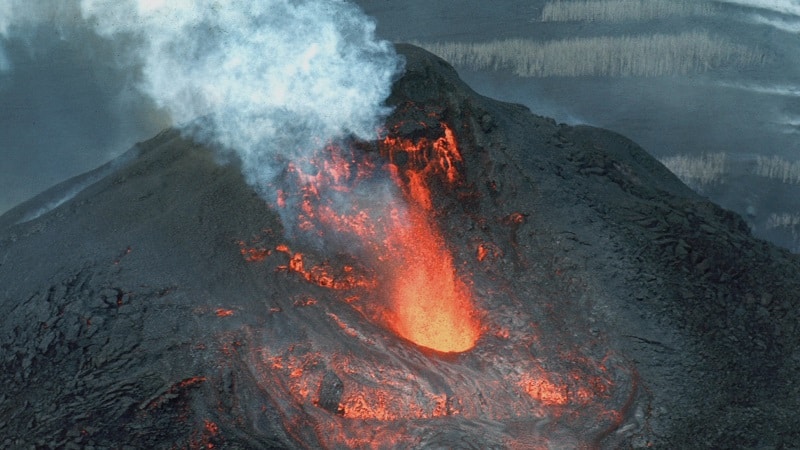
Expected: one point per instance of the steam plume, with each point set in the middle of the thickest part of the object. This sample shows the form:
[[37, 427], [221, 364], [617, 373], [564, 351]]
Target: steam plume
[[267, 79]]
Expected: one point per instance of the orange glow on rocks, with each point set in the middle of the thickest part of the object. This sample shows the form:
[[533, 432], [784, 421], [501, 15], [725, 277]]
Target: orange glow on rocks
[[253, 254], [545, 391], [324, 275], [222, 312], [424, 159]]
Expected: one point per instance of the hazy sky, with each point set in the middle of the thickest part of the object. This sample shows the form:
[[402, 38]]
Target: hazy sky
[[67, 107]]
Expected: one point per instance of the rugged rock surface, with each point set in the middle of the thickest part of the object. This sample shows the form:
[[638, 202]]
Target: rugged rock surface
[[131, 317]]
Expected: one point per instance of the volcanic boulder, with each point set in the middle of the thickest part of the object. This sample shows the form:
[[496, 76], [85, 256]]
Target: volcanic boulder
[[162, 307]]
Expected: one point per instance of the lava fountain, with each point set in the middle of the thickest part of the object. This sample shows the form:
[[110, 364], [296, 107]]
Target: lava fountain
[[431, 306], [345, 195]]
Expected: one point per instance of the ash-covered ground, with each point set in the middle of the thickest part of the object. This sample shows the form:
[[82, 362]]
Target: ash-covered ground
[[159, 307]]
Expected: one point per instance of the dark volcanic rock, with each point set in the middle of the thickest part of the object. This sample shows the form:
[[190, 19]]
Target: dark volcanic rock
[[330, 392], [130, 316]]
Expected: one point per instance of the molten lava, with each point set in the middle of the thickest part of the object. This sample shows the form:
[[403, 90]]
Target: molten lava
[[324, 275], [431, 306], [428, 304]]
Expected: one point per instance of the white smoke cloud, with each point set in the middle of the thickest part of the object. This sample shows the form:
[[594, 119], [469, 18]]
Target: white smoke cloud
[[269, 79]]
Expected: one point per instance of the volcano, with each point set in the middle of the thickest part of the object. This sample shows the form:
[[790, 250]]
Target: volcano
[[536, 286]]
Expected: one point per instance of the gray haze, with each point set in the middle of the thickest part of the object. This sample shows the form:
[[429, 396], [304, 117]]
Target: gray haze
[[66, 107]]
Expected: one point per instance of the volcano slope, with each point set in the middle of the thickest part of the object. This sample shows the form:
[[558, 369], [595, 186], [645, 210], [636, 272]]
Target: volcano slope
[[166, 305]]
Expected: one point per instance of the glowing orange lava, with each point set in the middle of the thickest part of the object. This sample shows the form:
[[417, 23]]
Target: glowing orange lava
[[222, 312], [324, 275], [428, 304], [545, 391]]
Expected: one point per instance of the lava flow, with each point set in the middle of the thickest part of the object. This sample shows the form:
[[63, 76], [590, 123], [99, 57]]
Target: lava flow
[[428, 304]]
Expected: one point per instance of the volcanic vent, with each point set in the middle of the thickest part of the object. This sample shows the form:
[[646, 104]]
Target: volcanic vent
[[430, 319], [473, 277]]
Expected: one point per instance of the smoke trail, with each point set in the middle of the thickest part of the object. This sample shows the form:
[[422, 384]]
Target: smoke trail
[[787, 25], [775, 89], [67, 108], [789, 7], [5, 14], [267, 79]]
